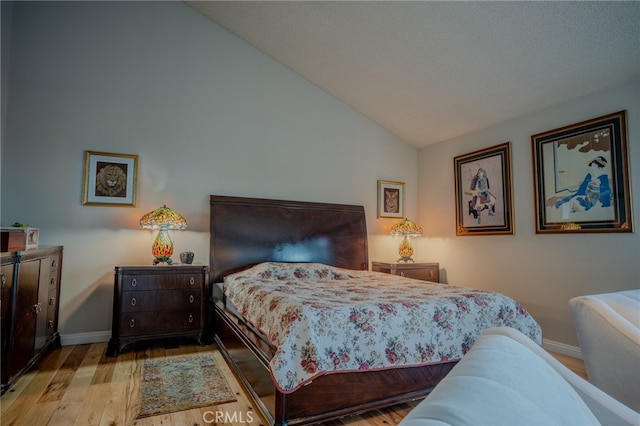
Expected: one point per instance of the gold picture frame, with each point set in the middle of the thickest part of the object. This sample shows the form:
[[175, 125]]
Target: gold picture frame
[[110, 179], [391, 199], [581, 177]]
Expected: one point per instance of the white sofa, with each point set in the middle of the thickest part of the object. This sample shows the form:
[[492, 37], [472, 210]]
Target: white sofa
[[608, 327], [507, 379]]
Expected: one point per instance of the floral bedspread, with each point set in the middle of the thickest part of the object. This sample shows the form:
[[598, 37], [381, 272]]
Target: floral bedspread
[[322, 319]]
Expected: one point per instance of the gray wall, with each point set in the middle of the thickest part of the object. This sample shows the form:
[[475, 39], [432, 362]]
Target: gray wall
[[540, 271], [205, 113]]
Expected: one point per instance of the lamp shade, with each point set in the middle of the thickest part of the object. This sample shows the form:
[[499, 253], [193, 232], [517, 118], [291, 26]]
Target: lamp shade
[[163, 219], [406, 228]]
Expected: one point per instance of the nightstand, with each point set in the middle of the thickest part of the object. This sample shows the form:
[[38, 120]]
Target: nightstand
[[158, 301], [420, 271]]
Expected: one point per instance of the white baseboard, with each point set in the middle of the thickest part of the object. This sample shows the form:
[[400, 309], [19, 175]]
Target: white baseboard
[[85, 338], [562, 348]]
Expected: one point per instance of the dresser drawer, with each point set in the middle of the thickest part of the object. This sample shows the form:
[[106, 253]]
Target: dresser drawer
[[163, 300], [184, 320], [140, 282], [146, 323], [426, 274], [54, 263], [419, 271], [134, 324], [53, 281]]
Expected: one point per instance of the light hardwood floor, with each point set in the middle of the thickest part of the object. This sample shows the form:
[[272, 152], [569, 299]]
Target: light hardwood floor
[[80, 385]]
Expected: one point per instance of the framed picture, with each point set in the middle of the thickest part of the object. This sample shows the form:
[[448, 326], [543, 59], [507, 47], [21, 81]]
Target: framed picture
[[33, 236], [581, 177], [390, 199], [109, 179], [483, 191]]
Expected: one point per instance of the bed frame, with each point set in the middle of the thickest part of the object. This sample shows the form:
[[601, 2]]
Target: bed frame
[[248, 231]]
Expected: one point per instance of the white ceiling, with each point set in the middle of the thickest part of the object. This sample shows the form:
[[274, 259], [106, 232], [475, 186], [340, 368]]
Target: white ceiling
[[429, 71]]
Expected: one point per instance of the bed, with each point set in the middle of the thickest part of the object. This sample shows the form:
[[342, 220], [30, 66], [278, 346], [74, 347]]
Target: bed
[[250, 239]]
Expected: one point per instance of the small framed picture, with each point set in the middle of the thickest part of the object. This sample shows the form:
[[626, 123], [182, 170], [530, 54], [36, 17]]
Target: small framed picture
[[109, 179], [390, 199], [581, 177], [484, 203], [32, 238]]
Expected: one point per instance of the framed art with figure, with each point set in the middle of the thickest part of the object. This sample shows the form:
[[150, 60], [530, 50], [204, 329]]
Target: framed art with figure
[[390, 199], [581, 177], [109, 179], [484, 203]]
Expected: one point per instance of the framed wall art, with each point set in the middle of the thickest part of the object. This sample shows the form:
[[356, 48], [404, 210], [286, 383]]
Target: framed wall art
[[484, 203], [581, 177], [109, 179], [390, 199]]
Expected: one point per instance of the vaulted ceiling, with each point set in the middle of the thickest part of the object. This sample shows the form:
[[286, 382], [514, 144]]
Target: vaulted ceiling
[[429, 71]]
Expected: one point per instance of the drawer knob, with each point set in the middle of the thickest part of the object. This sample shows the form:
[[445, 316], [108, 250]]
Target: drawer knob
[[132, 323], [134, 282], [50, 324], [53, 263], [52, 301], [133, 301], [192, 281], [190, 319], [191, 298], [52, 281]]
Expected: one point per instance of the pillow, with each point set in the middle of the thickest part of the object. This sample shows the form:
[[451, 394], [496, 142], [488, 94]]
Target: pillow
[[283, 271]]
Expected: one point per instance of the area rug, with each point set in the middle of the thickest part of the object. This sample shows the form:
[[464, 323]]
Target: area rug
[[181, 383]]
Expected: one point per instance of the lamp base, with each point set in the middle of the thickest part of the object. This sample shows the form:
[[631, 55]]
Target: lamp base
[[163, 259], [162, 248], [405, 250]]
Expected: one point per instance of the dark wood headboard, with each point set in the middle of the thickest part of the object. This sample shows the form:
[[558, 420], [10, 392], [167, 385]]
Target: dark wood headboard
[[248, 231]]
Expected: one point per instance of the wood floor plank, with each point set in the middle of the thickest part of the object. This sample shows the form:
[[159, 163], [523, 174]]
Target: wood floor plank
[[94, 404], [40, 414], [58, 386], [574, 364], [47, 368], [106, 366], [73, 398], [116, 408], [97, 394], [14, 392]]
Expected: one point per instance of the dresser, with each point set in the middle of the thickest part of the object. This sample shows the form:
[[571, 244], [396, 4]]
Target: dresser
[[151, 302], [29, 306], [420, 271]]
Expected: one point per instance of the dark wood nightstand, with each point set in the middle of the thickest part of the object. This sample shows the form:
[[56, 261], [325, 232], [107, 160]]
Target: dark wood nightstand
[[158, 301], [420, 271]]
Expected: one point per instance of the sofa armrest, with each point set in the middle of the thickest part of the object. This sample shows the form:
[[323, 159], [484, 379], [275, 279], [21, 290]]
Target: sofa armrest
[[507, 379], [608, 328], [608, 410]]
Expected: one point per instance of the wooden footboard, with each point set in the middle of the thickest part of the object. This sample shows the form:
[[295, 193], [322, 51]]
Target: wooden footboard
[[325, 398]]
